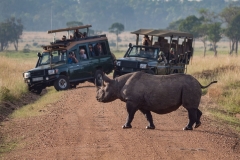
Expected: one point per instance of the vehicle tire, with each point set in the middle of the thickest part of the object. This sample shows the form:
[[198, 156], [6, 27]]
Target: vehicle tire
[[150, 72], [115, 74], [98, 78], [62, 83]]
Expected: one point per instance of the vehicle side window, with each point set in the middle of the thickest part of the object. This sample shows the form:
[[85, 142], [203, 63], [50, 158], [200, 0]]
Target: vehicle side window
[[100, 49], [83, 53], [91, 50]]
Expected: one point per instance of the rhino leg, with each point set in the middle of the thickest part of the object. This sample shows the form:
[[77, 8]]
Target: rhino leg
[[148, 115], [199, 114], [192, 115], [131, 109]]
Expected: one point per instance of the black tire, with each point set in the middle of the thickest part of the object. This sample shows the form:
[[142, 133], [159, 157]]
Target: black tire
[[98, 78], [62, 83]]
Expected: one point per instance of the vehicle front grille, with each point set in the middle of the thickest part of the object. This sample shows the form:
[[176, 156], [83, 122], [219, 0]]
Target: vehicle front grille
[[129, 64], [37, 73]]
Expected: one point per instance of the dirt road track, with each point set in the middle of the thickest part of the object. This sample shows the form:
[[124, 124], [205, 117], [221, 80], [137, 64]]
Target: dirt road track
[[79, 127]]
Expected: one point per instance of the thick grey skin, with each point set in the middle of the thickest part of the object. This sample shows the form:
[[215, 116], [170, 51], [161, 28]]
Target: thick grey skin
[[157, 93]]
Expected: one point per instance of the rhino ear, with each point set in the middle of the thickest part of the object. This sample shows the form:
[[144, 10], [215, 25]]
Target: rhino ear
[[106, 79]]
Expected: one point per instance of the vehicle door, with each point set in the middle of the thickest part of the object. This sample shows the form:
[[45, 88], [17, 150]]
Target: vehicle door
[[85, 64], [103, 52], [73, 66]]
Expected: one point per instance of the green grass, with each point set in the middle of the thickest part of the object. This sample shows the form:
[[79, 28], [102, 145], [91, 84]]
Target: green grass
[[230, 119], [7, 147]]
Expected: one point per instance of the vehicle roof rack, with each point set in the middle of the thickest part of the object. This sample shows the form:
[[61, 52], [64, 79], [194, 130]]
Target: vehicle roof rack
[[54, 46], [162, 33], [69, 29]]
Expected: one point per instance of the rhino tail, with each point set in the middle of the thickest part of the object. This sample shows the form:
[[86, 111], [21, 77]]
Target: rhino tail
[[207, 85]]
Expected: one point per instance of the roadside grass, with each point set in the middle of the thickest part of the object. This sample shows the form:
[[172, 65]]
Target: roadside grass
[[226, 70], [40, 106], [12, 66], [7, 147]]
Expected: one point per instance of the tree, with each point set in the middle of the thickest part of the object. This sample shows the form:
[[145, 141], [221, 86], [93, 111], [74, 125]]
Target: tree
[[227, 15], [189, 25], [234, 29], [10, 32], [74, 24], [214, 35], [202, 35], [175, 25], [116, 28]]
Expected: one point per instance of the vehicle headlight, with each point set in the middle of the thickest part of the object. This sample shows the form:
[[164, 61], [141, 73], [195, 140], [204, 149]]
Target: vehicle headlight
[[52, 71], [143, 66], [26, 75], [118, 63]]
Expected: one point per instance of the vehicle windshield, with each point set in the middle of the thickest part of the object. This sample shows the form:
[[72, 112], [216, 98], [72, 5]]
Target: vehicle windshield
[[56, 57], [144, 52]]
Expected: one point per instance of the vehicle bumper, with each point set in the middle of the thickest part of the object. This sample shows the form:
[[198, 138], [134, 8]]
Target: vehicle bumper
[[43, 81]]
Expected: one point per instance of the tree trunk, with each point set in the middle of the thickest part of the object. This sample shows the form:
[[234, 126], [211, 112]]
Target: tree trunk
[[15, 43], [215, 49], [1, 48], [236, 48], [204, 46], [232, 49]]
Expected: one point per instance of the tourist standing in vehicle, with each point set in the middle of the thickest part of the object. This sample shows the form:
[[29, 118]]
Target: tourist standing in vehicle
[[146, 41], [76, 34]]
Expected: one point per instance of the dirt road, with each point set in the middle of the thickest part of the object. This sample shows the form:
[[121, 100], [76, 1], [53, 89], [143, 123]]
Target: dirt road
[[79, 127]]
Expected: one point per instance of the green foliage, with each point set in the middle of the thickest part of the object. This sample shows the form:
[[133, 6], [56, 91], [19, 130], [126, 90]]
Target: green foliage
[[175, 25], [10, 31], [133, 14], [116, 28], [74, 24], [214, 32], [189, 24]]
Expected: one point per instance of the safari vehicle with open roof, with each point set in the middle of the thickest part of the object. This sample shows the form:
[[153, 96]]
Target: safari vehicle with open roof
[[155, 58], [62, 64]]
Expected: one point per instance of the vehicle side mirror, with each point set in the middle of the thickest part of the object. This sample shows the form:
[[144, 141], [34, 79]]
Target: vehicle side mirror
[[39, 54], [130, 45]]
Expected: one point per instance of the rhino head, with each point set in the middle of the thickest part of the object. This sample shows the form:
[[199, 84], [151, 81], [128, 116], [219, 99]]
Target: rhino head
[[112, 90], [107, 93]]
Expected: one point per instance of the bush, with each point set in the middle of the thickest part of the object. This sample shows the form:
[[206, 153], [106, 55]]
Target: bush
[[4, 93]]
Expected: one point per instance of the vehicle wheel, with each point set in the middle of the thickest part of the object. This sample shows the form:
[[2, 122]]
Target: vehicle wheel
[[150, 72], [115, 74], [61, 83], [98, 78]]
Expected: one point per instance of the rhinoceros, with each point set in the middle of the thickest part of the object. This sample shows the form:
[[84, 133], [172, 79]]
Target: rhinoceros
[[160, 94]]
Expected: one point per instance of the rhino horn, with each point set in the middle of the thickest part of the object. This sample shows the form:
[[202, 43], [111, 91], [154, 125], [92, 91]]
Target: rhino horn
[[106, 79]]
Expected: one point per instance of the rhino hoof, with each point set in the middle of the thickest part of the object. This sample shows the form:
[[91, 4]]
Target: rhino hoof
[[150, 127], [197, 125], [126, 127], [187, 128]]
